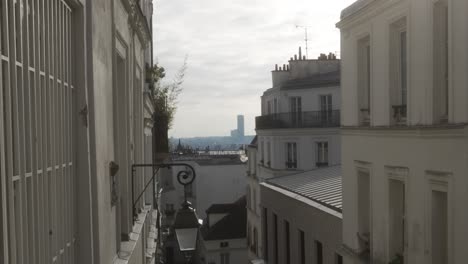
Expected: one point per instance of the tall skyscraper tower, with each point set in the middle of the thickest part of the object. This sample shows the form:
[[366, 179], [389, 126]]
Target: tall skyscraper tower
[[240, 125]]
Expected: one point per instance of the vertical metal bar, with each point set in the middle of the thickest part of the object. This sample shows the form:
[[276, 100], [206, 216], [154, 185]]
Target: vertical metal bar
[[133, 190]]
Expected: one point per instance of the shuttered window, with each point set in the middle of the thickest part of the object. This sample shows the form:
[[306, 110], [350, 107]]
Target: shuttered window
[[36, 131]]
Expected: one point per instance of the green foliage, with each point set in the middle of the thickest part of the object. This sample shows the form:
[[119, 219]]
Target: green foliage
[[165, 95]]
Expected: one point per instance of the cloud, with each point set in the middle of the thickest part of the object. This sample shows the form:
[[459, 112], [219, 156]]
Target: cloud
[[232, 46]]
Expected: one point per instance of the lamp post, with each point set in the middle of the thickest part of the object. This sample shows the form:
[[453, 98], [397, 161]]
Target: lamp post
[[186, 221]]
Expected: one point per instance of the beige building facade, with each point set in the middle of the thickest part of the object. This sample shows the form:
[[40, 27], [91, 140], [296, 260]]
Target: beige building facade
[[404, 135], [298, 131], [72, 122]]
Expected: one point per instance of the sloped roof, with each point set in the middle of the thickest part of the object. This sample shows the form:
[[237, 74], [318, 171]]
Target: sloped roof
[[314, 81], [321, 185], [220, 208], [231, 226], [254, 141]]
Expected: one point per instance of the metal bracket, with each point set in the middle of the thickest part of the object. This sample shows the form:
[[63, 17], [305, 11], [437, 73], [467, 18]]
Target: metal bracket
[[183, 177], [84, 115]]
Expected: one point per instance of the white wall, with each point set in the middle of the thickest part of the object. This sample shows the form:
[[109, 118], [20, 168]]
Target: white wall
[[214, 184], [317, 222], [211, 251], [423, 158]]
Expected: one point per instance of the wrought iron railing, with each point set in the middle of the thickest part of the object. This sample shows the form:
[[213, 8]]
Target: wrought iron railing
[[310, 119]]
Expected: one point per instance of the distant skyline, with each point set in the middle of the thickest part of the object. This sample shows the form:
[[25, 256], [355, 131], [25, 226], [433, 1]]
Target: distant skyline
[[232, 46]]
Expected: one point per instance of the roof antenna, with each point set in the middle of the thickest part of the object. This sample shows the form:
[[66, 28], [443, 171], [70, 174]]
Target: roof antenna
[[306, 39]]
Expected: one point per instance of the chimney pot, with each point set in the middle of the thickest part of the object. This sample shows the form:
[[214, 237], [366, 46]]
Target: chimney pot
[[295, 57], [304, 57], [276, 67]]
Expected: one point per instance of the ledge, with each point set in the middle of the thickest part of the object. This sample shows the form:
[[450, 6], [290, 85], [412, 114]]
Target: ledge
[[128, 247]]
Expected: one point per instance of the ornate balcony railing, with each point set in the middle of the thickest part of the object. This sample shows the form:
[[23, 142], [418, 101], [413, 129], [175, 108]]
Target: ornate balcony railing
[[310, 119]]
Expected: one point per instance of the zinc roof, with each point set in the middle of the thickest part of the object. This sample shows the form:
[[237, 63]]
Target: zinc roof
[[321, 185]]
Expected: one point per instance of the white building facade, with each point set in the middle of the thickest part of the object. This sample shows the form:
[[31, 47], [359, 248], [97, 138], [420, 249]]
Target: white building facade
[[71, 124], [301, 217], [404, 131], [298, 129]]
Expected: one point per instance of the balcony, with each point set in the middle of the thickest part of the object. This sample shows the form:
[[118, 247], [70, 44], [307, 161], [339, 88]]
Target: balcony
[[311, 119]]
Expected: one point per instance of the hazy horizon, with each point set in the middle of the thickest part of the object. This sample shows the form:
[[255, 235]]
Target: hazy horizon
[[232, 46]]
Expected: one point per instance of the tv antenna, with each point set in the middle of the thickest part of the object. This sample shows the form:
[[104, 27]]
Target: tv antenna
[[306, 39]]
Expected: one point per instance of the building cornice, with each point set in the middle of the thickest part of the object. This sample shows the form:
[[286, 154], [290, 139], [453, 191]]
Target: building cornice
[[299, 131], [138, 21], [435, 131], [366, 11]]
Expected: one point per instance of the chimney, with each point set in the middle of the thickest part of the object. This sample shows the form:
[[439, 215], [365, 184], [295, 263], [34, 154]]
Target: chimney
[[295, 57], [276, 67], [284, 67], [287, 67], [300, 53], [303, 57]]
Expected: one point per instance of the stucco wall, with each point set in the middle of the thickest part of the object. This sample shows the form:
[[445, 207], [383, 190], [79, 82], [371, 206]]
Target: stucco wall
[[306, 140], [213, 184], [237, 250], [422, 153], [317, 225]]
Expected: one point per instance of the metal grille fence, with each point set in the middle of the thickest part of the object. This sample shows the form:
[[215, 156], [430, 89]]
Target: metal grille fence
[[36, 132]]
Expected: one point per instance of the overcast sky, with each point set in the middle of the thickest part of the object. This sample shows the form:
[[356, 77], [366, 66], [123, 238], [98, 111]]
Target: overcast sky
[[232, 46]]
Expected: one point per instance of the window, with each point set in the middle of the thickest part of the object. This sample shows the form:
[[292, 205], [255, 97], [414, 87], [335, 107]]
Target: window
[[265, 234], [302, 257], [397, 218], [275, 105], [338, 259], [295, 110], [326, 108], [399, 71], [170, 209], [275, 232], [440, 65], [255, 242], [322, 154], [38, 113], [268, 151], [287, 244], [364, 79], [189, 190], [439, 227], [291, 155], [262, 152], [224, 258], [363, 209], [224, 244], [249, 198], [254, 200], [318, 252]]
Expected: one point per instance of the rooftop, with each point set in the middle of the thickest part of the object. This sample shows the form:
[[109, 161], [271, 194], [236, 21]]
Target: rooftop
[[231, 226], [314, 81], [322, 186]]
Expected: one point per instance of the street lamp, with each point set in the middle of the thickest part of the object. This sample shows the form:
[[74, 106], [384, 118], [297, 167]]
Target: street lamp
[[186, 221]]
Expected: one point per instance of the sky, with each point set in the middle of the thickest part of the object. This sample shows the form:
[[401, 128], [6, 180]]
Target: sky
[[231, 47]]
